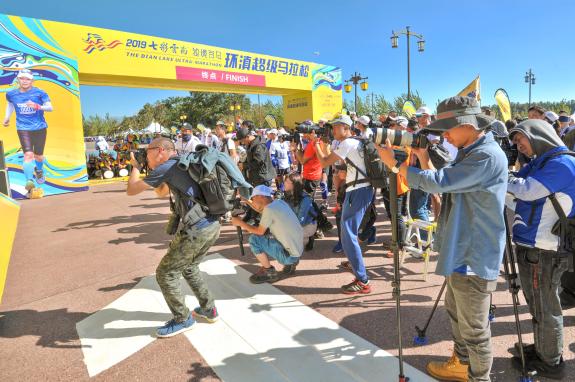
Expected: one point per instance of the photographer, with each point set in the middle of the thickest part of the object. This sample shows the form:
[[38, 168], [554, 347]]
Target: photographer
[[471, 230], [192, 241], [284, 243], [312, 170], [359, 191], [258, 163], [302, 206], [549, 174]]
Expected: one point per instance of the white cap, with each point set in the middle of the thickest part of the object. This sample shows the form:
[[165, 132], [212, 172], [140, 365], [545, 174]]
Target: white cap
[[322, 119], [273, 131], [364, 120], [262, 190], [552, 116], [26, 73], [402, 121], [423, 110], [343, 119]]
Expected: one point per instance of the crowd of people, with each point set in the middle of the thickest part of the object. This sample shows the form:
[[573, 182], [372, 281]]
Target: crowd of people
[[485, 165]]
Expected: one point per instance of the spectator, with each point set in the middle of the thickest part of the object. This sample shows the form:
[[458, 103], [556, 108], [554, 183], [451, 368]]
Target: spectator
[[302, 206]]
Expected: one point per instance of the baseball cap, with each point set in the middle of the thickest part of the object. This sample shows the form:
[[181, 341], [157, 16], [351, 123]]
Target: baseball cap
[[455, 111], [220, 123], [552, 116], [342, 119], [498, 128], [262, 190], [364, 120], [26, 73], [273, 131], [423, 110]]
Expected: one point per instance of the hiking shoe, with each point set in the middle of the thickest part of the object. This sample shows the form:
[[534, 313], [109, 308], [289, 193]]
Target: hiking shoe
[[309, 245], [39, 176], [289, 270], [172, 327], [540, 368], [29, 185], [451, 370], [210, 315], [356, 287], [528, 350], [264, 275], [338, 248]]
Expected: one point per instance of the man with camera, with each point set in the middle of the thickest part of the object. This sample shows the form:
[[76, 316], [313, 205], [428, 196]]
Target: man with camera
[[312, 170], [258, 162], [471, 230], [196, 234], [358, 197], [539, 189], [284, 242]]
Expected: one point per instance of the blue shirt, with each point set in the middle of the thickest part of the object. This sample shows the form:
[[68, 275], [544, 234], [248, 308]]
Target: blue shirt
[[471, 228], [27, 118]]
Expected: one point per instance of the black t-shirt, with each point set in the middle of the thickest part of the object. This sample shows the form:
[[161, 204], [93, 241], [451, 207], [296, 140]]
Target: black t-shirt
[[168, 172]]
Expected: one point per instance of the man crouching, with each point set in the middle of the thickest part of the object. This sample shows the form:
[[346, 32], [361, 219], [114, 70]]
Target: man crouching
[[284, 242]]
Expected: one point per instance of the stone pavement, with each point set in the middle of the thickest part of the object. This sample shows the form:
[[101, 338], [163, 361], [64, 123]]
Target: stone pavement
[[78, 257]]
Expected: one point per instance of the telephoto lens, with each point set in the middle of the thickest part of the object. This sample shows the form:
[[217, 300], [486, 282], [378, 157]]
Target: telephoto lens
[[399, 137]]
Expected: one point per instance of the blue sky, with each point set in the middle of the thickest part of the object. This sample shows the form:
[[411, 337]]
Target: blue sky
[[498, 39]]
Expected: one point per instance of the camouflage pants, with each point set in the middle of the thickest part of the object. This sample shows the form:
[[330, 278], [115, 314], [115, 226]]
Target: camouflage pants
[[186, 251]]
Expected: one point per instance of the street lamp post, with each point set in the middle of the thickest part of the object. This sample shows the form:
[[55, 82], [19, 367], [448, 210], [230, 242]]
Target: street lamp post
[[355, 80], [420, 47], [530, 79], [233, 107]]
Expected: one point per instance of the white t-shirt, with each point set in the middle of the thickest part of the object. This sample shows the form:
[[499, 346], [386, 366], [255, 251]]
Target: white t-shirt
[[367, 133], [281, 151], [187, 147], [348, 148]]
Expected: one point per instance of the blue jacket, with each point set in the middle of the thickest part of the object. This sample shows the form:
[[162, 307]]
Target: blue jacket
[[305, 211], [471, 229], [534, 212]]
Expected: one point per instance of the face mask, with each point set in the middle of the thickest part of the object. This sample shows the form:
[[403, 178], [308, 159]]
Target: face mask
[[186, 137]]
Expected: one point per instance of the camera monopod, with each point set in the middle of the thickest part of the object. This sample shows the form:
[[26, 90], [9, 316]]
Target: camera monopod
[[511, 275], [396, 284]]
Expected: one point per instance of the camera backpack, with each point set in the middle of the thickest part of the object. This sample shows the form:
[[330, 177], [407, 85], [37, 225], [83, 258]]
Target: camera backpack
[[375, 172], [214, 178]]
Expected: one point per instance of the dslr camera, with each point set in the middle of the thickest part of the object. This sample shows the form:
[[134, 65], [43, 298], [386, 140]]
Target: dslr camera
[[400, 137]]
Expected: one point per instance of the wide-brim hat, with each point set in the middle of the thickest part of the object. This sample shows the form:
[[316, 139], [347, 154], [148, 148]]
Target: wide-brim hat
[[455, 111]]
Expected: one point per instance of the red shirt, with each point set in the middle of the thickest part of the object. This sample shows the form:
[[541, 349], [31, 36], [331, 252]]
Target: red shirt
[[312, 168]]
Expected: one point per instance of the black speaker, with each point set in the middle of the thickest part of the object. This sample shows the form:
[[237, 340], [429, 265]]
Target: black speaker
[[4, 183], [2, 159]]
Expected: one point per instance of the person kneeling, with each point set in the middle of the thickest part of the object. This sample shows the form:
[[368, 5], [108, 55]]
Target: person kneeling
[[302, 206], [284, 242]]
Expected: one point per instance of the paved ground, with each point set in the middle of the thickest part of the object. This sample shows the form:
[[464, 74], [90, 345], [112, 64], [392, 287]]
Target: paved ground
[[75, 254]]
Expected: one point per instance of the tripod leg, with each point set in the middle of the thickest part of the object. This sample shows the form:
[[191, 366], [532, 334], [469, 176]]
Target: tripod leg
[[421, 338]]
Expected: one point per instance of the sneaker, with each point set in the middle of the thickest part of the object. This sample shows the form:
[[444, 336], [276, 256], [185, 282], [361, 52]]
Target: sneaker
[[39, 176], [452, 370], [210, 315], [29, 185], [318, 235], [356, 287], [289, 270], [264, 275], [309, 245], [338, 248], [172, 327], [540, 368]]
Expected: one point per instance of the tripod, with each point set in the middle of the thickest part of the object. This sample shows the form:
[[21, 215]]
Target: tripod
[[511, 277], [396, 284]]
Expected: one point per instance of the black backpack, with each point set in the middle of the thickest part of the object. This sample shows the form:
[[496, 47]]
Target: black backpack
[[376, 173]]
